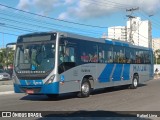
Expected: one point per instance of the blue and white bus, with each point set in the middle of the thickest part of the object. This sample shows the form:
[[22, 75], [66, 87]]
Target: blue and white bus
[[53, 63]]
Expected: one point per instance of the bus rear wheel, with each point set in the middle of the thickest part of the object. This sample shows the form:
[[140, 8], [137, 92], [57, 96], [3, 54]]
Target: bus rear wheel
[[135, 81], [85, 89]]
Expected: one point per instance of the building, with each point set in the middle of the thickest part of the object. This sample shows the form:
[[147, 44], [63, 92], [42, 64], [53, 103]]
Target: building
[[118, 33], [136, 31], [156, 44]]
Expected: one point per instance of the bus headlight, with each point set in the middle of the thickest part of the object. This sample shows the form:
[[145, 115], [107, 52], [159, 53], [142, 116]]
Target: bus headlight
[[50, 80]]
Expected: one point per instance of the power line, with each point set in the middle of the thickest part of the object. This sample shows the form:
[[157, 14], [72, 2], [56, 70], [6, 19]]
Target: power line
[[51, 17], [109, 4], [9, 33], [102, 4], [49, 28], [86, 32]]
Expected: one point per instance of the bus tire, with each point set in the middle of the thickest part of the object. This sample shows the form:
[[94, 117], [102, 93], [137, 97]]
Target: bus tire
[[85, 89], [52, 96], [135, 82]]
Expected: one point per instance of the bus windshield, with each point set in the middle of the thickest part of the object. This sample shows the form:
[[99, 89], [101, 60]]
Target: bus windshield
[[37, 57]]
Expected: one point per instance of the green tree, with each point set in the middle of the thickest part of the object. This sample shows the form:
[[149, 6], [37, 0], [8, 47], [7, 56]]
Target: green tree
[[3, 57], [157, 56]]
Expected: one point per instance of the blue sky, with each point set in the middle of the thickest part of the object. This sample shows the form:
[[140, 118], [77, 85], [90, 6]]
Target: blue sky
[[102, 13]]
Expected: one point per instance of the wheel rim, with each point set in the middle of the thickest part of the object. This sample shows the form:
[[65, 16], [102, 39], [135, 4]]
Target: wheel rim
[[85, 88], [135, 82]]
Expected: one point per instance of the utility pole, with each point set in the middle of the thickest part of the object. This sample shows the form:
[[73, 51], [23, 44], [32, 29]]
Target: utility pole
[[130, 17], [2, 40]]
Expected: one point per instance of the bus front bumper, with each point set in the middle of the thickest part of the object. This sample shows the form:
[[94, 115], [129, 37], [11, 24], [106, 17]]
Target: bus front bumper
[[52, 88]]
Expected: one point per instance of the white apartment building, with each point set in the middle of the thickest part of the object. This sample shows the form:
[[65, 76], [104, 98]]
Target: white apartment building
[[156, 44], [118, 33], [138, 32]]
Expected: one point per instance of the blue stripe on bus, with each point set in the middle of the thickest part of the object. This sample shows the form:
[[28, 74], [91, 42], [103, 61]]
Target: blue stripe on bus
[[124, 44], [109, 42], [17, 88], [118, 43], [52, 88], [105, 75], [126, 72], [23, 82], [117, 72], [31, 82]]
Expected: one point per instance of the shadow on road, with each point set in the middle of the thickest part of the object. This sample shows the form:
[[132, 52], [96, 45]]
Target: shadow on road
[[114, 89], [74, 95], [45, 98], [100, 114]]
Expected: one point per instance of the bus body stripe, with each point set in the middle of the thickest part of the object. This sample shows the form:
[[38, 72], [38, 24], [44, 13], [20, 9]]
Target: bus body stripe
[[22, 82], [117, 72], [108, 42], [105, 75], [126, 72], [31, 82]]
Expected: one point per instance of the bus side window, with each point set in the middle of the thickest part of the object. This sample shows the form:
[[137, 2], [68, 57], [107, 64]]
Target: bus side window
[[71, 54]]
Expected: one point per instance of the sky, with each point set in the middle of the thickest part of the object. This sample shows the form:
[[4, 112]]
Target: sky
[[85, 17]]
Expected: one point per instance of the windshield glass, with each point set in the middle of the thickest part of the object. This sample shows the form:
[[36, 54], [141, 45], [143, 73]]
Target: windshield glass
[[1, 71], [38, 57]]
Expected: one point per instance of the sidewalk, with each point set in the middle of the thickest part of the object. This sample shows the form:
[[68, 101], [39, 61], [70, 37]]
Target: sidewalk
[[6, 87], [156, 77]]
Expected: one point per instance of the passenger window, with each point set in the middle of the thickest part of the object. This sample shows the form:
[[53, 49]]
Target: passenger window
[[118, 55]]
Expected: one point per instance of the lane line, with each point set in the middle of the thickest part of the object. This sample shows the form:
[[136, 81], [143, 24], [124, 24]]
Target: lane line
[[6, 92]]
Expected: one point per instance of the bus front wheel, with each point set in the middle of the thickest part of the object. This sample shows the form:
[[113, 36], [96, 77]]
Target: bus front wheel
[[85, 89], [134, 84]]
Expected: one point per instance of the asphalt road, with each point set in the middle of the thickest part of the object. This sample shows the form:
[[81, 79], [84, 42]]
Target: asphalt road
[[6, 82], [144, 98]]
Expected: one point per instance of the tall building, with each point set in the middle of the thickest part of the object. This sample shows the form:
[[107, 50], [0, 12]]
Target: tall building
[[118, 33], [156, 44], [139, 32], [136, 31]]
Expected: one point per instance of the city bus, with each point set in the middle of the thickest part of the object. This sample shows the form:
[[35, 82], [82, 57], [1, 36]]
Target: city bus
[[53, 63]]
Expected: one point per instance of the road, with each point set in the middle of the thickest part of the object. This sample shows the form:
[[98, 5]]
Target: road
[[145, 98]]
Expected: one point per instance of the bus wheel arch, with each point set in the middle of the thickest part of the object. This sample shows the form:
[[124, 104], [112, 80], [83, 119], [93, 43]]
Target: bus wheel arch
[[90, 79], [86, 86], [135, 81]]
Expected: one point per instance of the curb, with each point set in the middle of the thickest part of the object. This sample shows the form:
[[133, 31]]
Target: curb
[[6, 92]]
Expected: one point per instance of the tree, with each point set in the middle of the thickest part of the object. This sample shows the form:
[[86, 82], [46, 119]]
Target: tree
[[3, 57], [157, 56]]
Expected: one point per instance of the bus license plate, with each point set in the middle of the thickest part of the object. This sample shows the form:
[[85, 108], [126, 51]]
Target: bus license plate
[[29, 91]]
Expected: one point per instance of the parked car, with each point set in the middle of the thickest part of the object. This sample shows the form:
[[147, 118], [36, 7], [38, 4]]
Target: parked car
[[4, 75]]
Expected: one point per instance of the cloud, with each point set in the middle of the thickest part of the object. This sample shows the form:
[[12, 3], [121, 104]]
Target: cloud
[[150, 6], [24, 4], [70, 1], [41, 6], [63, 16], [3, 7], [45, 6], [88, 9]]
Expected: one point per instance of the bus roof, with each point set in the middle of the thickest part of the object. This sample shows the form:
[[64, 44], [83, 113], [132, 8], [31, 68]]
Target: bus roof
[[82, 37]]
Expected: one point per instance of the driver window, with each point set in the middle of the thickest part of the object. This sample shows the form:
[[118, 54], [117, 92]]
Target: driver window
[[66, 54], [66, 58]]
